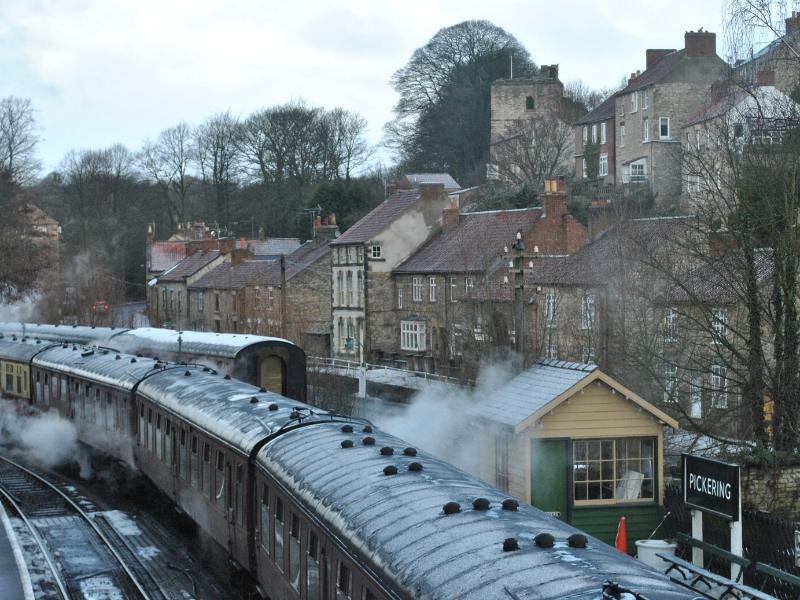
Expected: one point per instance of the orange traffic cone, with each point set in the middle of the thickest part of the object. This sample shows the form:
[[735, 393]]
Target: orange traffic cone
[[621, 542]]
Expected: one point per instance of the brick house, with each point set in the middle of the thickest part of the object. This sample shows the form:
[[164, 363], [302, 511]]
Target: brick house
[[448, 312], [362, 260], [597, 129], [654, 106]]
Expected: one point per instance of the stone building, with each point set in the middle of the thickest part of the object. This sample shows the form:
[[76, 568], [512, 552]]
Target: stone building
[[452, 305], [780, 56], [362, 260], [597, 131], [656, 104]]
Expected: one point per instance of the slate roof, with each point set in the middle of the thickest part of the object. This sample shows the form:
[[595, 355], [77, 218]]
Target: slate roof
[[305, 256], [379, 218], [532, 389], [228, 276], [188, 266], [474, 245], [164, 255], [273, 246], [415, 179], [606, 110], [656, 73]]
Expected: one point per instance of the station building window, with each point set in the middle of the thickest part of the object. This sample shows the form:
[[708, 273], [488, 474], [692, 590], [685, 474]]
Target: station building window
[[611, 471]]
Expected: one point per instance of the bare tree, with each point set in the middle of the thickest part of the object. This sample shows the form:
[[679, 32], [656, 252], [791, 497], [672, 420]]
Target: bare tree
[[18, 139], [217, 142], [167, 162], [534, 150]]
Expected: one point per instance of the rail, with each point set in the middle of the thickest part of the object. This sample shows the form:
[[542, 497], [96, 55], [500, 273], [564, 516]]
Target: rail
[[77, 509], [320, 362]]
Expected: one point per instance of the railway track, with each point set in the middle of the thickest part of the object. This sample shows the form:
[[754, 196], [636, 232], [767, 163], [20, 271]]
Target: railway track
[[84, 558]]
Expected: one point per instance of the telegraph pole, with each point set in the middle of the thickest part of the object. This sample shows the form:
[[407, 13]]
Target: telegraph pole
[[519, 295]]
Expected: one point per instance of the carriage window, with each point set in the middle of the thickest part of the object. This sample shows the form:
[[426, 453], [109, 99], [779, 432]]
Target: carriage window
[[182, 458], [343, 583], [239, 511], [312, 567], [195, 465], [366, 593], [207, 470], [150, 429], [294, 552], [108, 412], [220, 477], [159, 439], [278, 554], [168, 443], [142, 432], [265, 518], [38, 376]]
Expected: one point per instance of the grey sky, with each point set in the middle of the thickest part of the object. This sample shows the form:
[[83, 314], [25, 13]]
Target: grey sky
[[106, 71]]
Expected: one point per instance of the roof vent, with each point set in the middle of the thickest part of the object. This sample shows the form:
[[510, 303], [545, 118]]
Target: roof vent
[[14, 337], [183, 363], [273, 407], [390, 470], [481, 504], [139, 354], [262, 390], [73, 347], [74, 326], [577, 540], [347, 444], [187, 374], [367, 429], [347, 428], [253, 400], [387, 451], [133, 360], [368, 441], [92, 326], [227, 377], [87, 353], [544, 540], [295, 414], [410, 452], [155, 358], [37, 341], [117, 357], [510, 504], [510, 544], [206, 369], [451, 508], [415, 466]]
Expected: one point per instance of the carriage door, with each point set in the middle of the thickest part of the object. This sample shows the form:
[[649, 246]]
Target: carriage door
[[550, 476], [271, 374]]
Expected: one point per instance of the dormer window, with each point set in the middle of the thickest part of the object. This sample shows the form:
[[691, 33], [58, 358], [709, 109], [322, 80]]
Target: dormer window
[[529, 103]]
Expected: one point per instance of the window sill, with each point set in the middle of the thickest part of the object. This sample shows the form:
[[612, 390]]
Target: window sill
[[588, 504]]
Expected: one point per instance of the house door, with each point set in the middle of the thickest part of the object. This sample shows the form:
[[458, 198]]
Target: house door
[[550, 477]]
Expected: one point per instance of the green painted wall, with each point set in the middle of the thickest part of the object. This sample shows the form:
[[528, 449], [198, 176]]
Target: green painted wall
[[602, 521]]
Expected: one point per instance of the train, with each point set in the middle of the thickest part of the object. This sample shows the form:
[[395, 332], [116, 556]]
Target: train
[[314, 505], [273, 363]]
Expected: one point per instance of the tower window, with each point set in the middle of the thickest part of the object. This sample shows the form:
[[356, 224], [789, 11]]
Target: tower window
[[529, 103]]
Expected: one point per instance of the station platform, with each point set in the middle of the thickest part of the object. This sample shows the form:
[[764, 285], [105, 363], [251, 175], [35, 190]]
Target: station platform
[[15, 582]]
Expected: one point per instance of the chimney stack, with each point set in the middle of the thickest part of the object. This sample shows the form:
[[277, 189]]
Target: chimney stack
[[326, 228], [765, 78], [653, 55], [793, 23], [700, 44], [451, 216], [555, 198], [240, 254], [431, 191]]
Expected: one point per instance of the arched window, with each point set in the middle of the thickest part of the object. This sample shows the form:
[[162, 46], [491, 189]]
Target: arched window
[[360, 289], [340, 288], [349, 288], [351, 335], [341, 334], [529, 104]]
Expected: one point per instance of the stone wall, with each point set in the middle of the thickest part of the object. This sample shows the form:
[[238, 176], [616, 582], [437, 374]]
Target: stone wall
[[774, 489]]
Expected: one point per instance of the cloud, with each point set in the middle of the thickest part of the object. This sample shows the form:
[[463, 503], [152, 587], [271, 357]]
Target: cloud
[[106, 71]]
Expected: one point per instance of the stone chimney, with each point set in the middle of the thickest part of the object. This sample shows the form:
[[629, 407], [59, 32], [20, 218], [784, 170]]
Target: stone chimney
[[700, 44], [765, 78], [325, 228], [431, 191], [240, 254], [226, 245], [555, 198], [451, 216], [793, 23], [653, 55]]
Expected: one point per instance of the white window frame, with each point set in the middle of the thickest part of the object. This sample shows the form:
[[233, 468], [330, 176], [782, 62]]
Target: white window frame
[[432, 289], [588, 312], [645, 129], [602, 133], [376, 251], [661, 122], [453, 288], [696, 396], [585, 136], [670, 383], [671, 325], [634, 102], [588, 355], [584, 168], [399, 296], [602, 169], [621, 111], [469, 283], [719, 325], [550, 309], [412, 336], [719, 386], [645, 99], [594, 133], [416, 289], [622, 135]]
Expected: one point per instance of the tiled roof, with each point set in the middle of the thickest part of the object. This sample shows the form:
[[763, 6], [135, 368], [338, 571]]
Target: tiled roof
[[379, 218], [188, 266], [532, 389], [656, 73], [474, 245], [273, 246], [305, 256], [415, 179], [164, 255], [228, 276], [598, 261], [605, 111]]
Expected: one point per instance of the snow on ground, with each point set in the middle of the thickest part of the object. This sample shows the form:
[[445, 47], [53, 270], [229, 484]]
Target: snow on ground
[[121, 522]]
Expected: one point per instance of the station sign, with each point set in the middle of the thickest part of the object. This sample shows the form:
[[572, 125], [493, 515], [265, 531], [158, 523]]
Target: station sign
[[711, 486]]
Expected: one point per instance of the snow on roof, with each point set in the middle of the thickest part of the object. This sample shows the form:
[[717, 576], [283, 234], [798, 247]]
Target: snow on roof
[[396, 523], [23, 350], [156, 340], [77, 334], [533, 389]]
